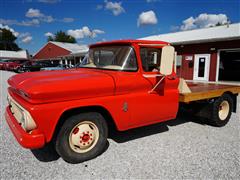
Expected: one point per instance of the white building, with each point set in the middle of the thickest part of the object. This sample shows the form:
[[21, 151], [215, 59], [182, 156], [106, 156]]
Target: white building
[[14, 55]]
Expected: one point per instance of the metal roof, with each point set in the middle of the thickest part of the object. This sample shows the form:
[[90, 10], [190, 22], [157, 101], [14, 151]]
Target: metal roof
[[211, 34], [73, 48], [13, 54]]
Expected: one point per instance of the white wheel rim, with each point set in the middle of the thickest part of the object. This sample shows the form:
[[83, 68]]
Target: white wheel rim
[[223, 110], [83, 137]]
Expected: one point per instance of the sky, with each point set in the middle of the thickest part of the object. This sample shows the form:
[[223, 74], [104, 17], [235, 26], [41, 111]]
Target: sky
[[103, 20]]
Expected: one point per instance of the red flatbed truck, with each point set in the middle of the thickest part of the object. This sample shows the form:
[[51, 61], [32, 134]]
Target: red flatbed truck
[[127, 83]]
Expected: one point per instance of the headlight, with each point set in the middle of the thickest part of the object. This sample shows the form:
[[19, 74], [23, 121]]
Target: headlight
[[28, 123], [22, 116]]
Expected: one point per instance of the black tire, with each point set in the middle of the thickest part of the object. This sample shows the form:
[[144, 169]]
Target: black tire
[[215, 119], [62, 143]]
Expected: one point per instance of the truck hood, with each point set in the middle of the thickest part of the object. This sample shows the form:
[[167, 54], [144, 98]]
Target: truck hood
[[62, 85]]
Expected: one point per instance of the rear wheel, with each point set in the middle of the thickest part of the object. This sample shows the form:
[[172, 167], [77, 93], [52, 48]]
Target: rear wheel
[[222, 110], [82, 137]]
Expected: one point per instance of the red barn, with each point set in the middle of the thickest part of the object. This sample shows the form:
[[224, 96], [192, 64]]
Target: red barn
[[209, 54], [67, 53]]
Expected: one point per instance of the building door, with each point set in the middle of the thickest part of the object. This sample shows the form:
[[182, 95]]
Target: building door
[[229, 65], [201, 67]]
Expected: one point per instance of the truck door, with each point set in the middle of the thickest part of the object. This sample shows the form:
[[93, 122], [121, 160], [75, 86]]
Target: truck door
[[148, 106]]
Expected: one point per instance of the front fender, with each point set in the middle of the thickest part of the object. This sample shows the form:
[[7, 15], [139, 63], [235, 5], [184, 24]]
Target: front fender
[[48, 115]]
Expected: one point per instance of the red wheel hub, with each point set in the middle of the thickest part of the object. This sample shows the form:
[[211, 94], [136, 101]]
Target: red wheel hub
[[85, 138]]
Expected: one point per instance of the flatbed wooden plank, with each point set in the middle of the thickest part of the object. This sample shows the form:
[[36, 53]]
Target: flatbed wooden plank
[[201, 91]]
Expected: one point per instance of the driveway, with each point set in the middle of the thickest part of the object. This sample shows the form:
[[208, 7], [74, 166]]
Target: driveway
[[184, 148]]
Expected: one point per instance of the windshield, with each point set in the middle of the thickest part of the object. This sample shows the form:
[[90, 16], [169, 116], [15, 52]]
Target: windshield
[[111, 57]]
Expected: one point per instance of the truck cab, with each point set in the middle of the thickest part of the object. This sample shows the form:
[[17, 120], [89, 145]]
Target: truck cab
[[135, 69]]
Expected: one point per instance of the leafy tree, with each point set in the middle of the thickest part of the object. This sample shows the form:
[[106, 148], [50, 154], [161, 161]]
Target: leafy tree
[[7, 40], [50, 38], [61, 36]]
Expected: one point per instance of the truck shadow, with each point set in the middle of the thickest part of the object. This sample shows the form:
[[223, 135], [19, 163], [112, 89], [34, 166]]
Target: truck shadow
[[48, 153], [182, 118]]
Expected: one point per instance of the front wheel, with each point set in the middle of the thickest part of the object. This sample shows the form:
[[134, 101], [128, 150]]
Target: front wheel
[[222, 110], [82, 137]]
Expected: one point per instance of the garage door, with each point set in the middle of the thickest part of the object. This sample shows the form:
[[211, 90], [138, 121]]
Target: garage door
[[229, 66]]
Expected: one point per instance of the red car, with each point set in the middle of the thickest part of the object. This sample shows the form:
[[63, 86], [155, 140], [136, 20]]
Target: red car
[[119, 85], [13, 65], [3, 62]]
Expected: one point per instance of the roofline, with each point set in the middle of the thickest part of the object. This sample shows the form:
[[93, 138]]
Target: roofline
[[40, 49], [192, 31], [205, 41], [199, 29]]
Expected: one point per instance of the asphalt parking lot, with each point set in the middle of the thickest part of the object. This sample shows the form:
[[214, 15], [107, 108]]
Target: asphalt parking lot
[[184, 148]]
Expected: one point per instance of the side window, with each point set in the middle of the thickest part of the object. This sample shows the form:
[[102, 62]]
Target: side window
[[150, 58]]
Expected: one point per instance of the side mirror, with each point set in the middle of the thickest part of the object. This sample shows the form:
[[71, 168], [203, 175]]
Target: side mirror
[[167, 59]]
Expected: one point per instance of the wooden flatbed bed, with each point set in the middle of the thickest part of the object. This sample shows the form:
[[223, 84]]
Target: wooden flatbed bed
[[201, 91]]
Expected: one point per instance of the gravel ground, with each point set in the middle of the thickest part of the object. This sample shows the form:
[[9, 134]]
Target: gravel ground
[[180, 149]]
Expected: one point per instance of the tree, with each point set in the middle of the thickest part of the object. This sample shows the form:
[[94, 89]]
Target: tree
[[61, 36], [7, 40], [50, 38]]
